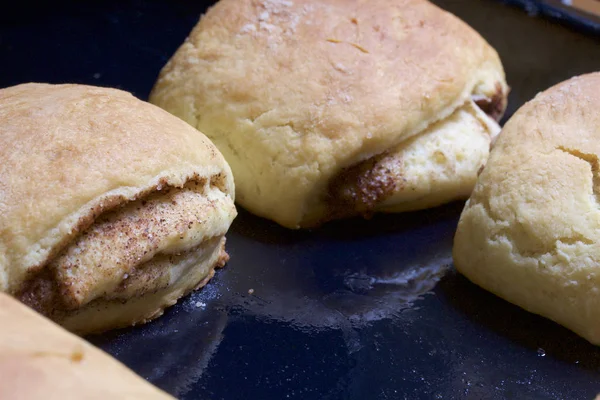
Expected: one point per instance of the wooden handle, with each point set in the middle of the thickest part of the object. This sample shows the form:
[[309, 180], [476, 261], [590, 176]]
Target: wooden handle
[[590, 6]]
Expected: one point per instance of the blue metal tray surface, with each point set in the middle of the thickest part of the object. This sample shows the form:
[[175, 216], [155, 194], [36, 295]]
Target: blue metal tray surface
[[356, 309], [561, 11]]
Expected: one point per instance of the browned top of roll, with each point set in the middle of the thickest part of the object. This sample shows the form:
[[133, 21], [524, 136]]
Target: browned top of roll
[[70, 152], [294, 91]]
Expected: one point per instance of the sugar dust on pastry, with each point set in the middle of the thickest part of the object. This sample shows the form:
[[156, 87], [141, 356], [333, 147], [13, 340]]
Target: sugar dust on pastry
[[329, 109], [112, 209]]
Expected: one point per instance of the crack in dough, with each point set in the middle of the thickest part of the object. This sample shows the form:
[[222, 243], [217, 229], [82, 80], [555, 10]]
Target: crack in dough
[[594, 162]]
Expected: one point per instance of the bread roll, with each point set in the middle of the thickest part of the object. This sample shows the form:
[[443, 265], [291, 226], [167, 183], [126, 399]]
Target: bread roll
[[40, 360], [530, 231], [328, 109], [111, 209]]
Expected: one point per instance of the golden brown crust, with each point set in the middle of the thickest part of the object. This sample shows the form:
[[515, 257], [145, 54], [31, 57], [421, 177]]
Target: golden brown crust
[[293, 91], [223, 257], [529, 232], [69, 156], [40, 360]]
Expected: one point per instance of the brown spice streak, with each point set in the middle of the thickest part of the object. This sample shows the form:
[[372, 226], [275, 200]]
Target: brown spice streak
[[151, 277], [357, 189], [106, 205], [494, 107], [41, 291]]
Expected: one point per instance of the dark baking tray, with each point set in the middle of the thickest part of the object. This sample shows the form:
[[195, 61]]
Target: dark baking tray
[[561, 11], [354, 310]]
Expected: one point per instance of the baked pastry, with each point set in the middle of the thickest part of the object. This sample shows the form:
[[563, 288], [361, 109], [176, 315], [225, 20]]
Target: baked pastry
[[530, 230], [327, 109], [110, 208], [40, 360]]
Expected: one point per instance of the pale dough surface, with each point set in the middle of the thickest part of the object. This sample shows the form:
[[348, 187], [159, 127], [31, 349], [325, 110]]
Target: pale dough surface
[[293, 92], [41, 361], [530, 232]]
